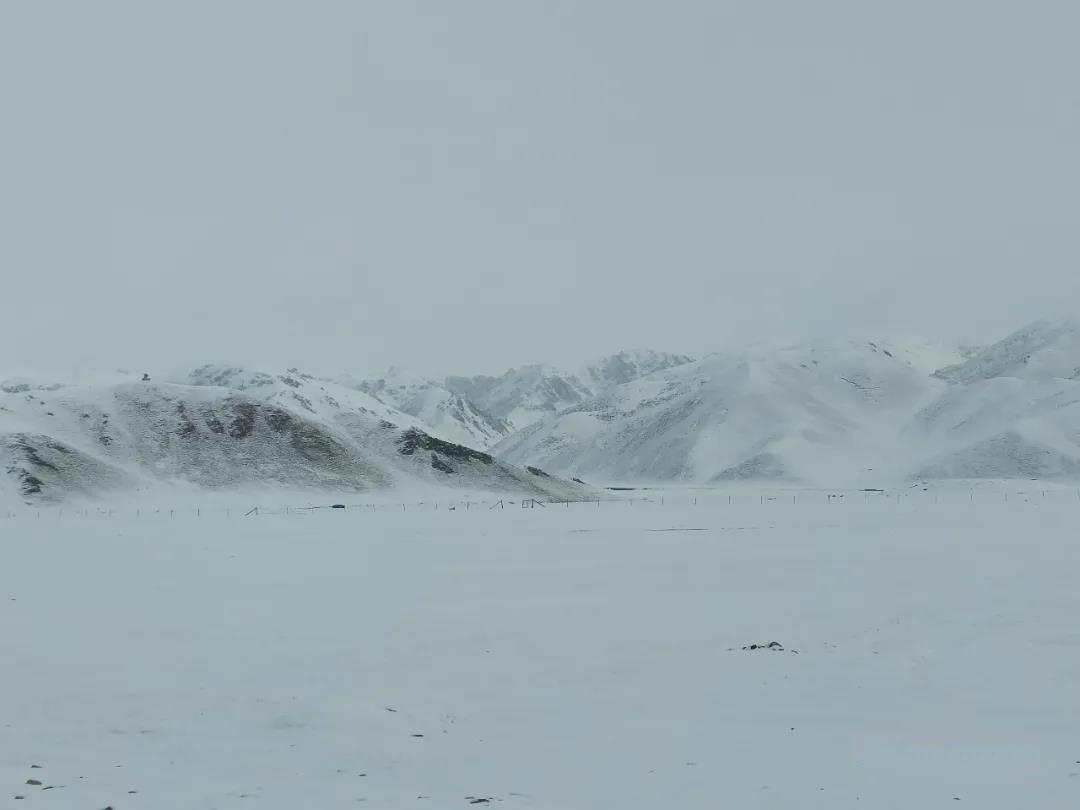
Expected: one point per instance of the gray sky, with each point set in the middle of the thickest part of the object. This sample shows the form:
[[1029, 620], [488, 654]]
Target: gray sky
[[462, 186]]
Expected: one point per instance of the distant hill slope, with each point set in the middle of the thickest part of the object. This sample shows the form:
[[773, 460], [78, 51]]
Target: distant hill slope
[[819, 413], [233, 428], [1042, 350], [832, 414], [795, 413], [444, 413], [524, 395], [481, 411]]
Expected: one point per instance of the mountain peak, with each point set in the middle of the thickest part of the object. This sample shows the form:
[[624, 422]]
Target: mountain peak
[[1044, 349]]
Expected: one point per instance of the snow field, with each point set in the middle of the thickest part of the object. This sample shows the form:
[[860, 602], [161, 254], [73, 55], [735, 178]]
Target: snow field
[[565, 658]]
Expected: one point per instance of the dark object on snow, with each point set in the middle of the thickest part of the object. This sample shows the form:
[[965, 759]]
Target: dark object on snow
[[579, 481], [772, 645], [146, 377], [33, 782], [622, 489], [337, 506], [537, 472]]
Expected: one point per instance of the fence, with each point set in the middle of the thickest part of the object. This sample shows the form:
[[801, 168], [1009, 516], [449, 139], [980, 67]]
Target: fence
[[669, 499]]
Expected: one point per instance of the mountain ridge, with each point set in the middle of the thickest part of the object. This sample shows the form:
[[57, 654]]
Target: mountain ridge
[[284, 431], [867, 413], [856, 413]]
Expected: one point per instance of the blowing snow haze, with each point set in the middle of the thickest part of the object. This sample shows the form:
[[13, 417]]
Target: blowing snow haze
[[539, 405], [468, 187]]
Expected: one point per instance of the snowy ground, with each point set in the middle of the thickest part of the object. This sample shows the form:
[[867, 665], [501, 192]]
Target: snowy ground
[[562, 658]]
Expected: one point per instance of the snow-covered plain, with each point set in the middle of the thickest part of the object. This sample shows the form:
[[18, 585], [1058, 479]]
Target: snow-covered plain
[[570, 657]]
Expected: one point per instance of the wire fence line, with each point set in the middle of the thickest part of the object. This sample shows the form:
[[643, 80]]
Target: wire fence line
[[667, 500]]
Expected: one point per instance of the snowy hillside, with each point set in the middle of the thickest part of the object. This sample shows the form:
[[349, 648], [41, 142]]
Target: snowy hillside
[[481, 411], [627, 366], [232, 428], [1043, 350], [822, 413], [832, 414], [1000, 428], [445, 414], [523, 396], [815, 412]]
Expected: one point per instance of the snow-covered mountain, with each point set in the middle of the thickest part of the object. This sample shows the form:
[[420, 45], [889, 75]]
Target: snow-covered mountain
[[831, 413], [524, 395], [1012, 411], [627, 366], [1003, 427], [797, 413], [229, 428], [480, 411], [445, 414], [1045, 349]]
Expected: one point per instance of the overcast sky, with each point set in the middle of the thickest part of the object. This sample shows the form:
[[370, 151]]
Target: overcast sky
[[461, 186]]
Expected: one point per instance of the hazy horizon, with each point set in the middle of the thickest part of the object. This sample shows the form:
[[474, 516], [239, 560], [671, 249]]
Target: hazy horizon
[[465, 189]]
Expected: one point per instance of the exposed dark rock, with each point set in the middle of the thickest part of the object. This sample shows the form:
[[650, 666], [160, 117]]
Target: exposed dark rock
[[305, 403], [440, 465], [243, 421], [412, 440], [187, 427], [316, 445], [278, 420], [772, 645], [30, 454]]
